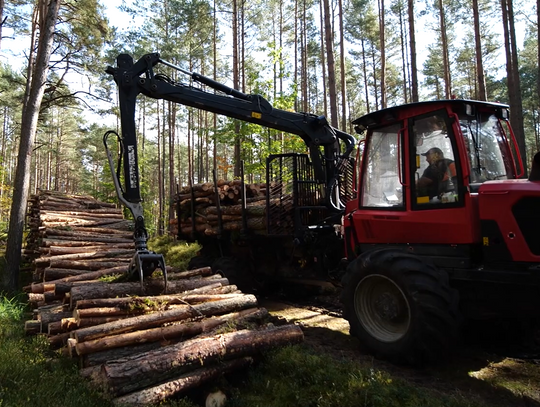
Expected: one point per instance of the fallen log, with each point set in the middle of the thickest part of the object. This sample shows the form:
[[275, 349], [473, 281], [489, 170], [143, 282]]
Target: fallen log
[[41, 299], [55, 328], [68, 216], [51, 275], [56, 250], [48, 242], [126, 375], [92, 265], [182, 330], [204, 271], [59, 340], [90, 238], [105, 312], [151, 287], [70, 211], [147, 303], [139, 305], [98, 358], [159, 318], [32, 327], [47, 317], [183, 383], [89, 254], [82, 276], [93, 321]]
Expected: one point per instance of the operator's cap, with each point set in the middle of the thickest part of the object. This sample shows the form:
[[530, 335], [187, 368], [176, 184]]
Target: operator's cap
[[433, 150]]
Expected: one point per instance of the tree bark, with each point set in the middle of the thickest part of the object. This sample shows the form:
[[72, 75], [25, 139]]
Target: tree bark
[[481, 78], [412, 43], [343, 68], [382, 43], [146, 303], [182, 330], [445, 52], [183, 383], [329, 42], [129, 374], [159, 318], [514, 82], [105, 290]]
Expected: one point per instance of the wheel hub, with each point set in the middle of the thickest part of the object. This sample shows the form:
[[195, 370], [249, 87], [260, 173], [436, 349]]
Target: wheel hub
[[382, 308], [387, 307]]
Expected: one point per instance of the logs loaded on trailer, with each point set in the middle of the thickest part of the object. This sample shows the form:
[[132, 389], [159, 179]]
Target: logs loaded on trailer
[[208, 208], [140, 343]]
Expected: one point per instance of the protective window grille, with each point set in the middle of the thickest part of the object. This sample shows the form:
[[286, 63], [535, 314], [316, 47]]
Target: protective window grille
[[346, 188], [294, 197]]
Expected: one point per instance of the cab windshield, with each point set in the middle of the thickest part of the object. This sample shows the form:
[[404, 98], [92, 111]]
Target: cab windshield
[[488, 153]]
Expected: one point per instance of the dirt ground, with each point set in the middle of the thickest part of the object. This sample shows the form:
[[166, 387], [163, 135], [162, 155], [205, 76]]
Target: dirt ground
[[486, 368]]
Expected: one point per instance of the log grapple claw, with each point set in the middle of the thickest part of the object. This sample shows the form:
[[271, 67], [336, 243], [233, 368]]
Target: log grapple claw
[[144, 263]]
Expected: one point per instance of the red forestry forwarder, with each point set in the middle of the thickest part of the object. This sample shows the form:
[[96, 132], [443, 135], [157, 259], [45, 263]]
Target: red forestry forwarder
[[430, 224]]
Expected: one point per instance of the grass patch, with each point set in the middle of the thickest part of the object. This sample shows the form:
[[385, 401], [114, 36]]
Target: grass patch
[[177, 253], [32, 375], [296, 377]]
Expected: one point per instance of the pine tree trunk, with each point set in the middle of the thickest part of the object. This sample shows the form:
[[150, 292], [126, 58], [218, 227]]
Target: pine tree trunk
[[323, 62], [445, 52], [481, 88], [2, 19], [343, 68], [329, 42], [382, 43], [412, 43], [404, 55], [514, 83], [28, 131], [236, 85]]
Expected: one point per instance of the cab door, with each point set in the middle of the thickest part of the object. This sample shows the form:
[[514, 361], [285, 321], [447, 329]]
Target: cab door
[[392, 207]]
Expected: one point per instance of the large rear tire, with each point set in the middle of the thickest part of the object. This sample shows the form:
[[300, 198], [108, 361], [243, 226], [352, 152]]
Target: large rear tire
[[235, 271], [400, 307], [200, 262]]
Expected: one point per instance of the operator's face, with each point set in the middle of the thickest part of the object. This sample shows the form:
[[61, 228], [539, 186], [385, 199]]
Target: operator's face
[[432, 158]]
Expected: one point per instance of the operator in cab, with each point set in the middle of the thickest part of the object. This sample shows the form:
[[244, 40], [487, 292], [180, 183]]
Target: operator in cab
[[440, 175]]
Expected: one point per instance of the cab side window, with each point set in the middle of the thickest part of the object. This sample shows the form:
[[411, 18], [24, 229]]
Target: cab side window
[[436, 179], [381, 184]]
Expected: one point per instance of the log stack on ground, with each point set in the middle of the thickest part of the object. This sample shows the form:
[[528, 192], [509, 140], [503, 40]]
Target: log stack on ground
[[72, 234], [140, 343]]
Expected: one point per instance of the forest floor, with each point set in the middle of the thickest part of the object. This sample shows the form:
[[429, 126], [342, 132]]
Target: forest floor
[[491, 365]]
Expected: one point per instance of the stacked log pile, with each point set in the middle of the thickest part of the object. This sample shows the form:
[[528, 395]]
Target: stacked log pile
[[211, 203], [73, 234], [140, 343]]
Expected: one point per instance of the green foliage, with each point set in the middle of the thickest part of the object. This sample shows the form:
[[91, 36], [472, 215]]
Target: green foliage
[[177, 253], [296, 377]]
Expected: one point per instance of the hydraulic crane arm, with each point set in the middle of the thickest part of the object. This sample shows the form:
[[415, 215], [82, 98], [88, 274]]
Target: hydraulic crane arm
[[134, 78], [139, 78]]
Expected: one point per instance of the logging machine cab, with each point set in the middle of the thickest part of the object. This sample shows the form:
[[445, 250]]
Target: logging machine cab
[[430, 171]]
